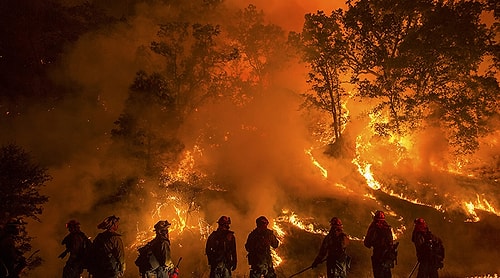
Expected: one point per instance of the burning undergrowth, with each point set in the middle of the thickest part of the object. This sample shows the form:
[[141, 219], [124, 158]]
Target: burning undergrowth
[[301, 223]]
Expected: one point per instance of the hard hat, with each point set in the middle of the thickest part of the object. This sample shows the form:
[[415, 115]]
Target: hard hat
[[72, 223], [379, 215], [335, 221], [420, 222], [162, 225], [224, 220], [108, 222], [262, 220]]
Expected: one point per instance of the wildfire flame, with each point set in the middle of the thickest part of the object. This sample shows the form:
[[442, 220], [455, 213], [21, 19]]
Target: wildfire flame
[[483, 205], [324, 172]]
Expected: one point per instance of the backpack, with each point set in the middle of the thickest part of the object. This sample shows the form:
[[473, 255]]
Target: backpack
[[101, 260], [435, 249], [86, 252], [390, 257], [146, 260]]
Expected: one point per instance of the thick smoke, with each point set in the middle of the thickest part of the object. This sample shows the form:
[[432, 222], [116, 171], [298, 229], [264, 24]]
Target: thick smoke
[[260, 161]]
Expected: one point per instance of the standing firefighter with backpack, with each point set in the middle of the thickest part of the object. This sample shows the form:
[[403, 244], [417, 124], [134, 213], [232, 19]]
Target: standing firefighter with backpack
[[221, 250], [108, 256], [429, 249], [333, 248], [379, 236], [77, 245], [258, 245], [155, 260]]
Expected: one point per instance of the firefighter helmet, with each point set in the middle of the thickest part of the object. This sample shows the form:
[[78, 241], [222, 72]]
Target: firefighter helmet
[[262, 221], [162, 225], [108, 222], [420, 222], [335, 221], [379, 215], [72, 223], [224, 220]]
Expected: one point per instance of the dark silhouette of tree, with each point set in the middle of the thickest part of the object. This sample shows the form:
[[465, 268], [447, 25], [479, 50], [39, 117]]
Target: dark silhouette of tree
[[262, 50], [193, 74], [422, 61], [20, 182], [419, 58], [322, 46], [146, 128]]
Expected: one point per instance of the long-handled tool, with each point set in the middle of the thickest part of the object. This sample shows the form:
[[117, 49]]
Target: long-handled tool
[[413, 270], [304, 270]]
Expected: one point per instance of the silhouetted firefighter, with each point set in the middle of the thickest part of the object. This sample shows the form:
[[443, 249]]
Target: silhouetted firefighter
[[379, 236], [108, 255], [258, 245], [77, 246], [155, 259], [429, 249], [221, 250], [333, 248]]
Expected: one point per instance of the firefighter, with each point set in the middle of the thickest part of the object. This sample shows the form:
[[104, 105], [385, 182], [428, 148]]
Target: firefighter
[[258, 246], [379, 236], [12, 261], [108, 253], [429, 249], [221, 250], [77, 245], [333, 248], [160, 249]]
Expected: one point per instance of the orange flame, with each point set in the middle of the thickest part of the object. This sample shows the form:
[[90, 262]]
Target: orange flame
[[324, 172]]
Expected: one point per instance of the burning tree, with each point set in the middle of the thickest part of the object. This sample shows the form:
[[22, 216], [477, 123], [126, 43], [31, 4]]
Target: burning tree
[[193, 73], [421, 60], [261, 47], [322, 46]]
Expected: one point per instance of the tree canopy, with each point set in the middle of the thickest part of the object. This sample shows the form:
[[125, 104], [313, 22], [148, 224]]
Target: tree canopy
[[20, 182], [422, 61]]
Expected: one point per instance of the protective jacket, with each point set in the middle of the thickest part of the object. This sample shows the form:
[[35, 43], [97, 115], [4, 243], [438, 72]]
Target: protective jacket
[[221, 253], [430, 253], [76, 244], [258, 246], [333, 248], [379, 236], [160, 247], [109, 255]]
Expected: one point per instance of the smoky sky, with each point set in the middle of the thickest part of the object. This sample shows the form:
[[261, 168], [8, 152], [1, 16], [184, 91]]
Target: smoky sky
[[259, 150]]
